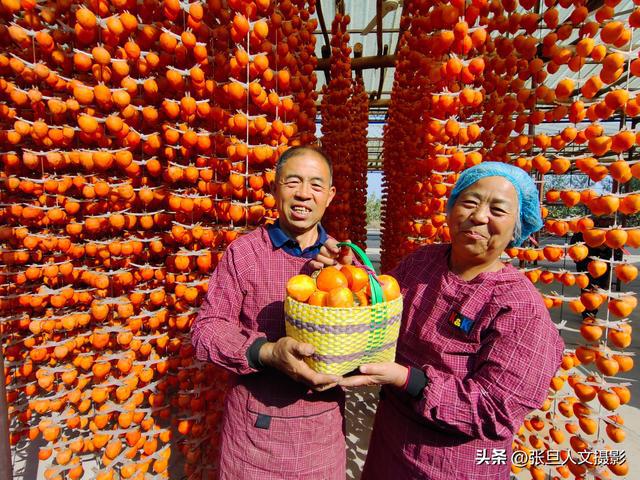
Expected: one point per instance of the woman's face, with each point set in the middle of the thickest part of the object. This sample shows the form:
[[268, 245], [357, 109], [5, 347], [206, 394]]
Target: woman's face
[[482, 220]]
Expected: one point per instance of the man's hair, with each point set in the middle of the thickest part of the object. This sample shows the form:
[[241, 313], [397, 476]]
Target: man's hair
[[296, 152]]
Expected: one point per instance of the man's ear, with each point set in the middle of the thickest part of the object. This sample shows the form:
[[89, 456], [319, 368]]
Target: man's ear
[[332, 193]]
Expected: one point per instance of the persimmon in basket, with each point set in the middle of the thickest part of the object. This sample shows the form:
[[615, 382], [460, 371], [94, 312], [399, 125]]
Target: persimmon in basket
[[340, 287]]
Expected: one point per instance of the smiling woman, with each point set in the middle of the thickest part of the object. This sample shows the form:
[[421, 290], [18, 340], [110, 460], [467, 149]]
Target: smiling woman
[[477, 347], [528, 219]]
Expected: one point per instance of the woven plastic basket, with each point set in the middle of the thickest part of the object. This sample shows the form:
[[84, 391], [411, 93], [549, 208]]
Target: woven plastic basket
[[345, 338]]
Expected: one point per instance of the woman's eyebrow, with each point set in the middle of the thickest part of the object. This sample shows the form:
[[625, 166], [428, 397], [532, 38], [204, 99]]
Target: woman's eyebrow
[[494, 201], [471, 194], [502, 200]]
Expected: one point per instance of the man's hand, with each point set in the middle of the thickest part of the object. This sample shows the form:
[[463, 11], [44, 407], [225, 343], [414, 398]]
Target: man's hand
[[390, 373], [330, 255], [287, 355]]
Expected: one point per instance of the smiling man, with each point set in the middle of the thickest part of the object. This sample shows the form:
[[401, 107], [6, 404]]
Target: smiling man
[[281, 419]]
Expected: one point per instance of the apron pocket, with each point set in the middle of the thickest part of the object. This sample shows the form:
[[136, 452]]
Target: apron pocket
[[294, 408]]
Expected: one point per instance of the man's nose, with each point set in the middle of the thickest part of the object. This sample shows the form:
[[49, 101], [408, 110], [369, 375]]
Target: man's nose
[[304, 190]]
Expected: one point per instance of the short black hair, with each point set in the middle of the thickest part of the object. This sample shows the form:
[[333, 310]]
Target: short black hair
[[297, 151]]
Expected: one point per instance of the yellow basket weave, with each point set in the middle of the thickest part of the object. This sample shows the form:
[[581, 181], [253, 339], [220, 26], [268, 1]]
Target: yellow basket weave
[[345, 338]]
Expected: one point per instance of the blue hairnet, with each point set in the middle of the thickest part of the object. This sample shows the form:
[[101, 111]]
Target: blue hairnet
[[528, 195]]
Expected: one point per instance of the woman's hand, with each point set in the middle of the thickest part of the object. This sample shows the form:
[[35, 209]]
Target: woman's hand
[[331, 254], [386, 373]]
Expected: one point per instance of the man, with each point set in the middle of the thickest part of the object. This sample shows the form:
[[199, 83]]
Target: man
[[281, 419]]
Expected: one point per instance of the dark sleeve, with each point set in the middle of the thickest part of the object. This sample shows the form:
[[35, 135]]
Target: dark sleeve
[[253, 353]]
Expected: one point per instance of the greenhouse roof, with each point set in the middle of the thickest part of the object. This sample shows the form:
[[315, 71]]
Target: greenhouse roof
[[363, 29], [379, 48]]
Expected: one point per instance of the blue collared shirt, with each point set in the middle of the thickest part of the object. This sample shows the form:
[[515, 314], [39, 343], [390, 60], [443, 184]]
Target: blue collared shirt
[[280, 239]]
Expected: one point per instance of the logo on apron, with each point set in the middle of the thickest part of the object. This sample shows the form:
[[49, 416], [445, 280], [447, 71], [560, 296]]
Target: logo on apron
[[460, 321]]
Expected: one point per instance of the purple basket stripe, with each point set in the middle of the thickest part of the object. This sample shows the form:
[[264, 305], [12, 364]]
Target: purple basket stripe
[[352, 356], [341, 329]]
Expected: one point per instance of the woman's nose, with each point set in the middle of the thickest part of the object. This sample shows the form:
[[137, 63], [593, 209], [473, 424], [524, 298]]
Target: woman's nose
[[480, 214]]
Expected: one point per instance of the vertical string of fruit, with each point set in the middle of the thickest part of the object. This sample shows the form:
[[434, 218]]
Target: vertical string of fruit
[[453, 130], [344, 128], [300, 108], [336, 128], [192, 388], [442, 40], [403, 146], [359, 114]]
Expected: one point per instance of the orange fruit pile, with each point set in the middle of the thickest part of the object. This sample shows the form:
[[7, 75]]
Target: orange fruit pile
[[137, 140], [339, 288]]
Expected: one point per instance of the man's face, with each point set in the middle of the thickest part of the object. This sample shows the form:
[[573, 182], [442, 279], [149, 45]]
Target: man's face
[[303, 192], [482, 220]]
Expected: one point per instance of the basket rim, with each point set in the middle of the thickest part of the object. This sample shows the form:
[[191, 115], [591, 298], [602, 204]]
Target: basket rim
[[306, 305]]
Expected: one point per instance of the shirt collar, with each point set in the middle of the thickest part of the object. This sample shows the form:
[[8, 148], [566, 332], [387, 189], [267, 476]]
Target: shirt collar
[[279, 237]]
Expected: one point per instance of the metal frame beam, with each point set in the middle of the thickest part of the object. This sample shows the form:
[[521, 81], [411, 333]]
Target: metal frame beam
[[362, 63]]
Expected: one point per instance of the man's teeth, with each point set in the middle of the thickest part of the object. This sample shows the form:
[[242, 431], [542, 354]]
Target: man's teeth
[[301, 209]]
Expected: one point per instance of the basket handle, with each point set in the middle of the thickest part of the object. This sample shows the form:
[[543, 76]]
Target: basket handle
[[374, 284]]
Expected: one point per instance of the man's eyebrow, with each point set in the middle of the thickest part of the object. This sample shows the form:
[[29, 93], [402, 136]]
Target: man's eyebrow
[[299, 177]]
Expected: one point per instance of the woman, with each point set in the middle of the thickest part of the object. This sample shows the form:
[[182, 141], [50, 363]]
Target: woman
[[477, 347]]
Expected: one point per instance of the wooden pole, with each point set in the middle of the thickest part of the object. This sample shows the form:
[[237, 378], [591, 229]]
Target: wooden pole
[[383, 72], [379, 25], [357, 53], [6, 470], [326, 48], [323, 26]]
